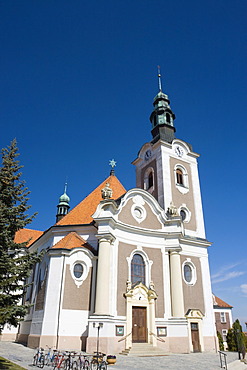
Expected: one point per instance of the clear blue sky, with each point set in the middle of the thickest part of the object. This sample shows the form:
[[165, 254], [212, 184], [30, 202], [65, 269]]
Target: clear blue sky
[[76, 89]]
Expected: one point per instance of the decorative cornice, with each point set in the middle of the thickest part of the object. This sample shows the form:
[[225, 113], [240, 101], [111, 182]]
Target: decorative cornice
[[108, 237]]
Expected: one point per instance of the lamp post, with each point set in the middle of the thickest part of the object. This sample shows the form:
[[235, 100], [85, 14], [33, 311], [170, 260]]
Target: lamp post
[[98, 325]]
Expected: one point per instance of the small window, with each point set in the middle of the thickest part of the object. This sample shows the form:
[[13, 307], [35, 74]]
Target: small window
[[223, 317], [187, 273], [78, 270], [194, 326], [183, 214], [224, 334], [150, 180], [179, 176], [168, 118], [137, 269]]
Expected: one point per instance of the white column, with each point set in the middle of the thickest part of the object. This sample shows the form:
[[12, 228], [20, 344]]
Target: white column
[[176, 285], [102, 301]]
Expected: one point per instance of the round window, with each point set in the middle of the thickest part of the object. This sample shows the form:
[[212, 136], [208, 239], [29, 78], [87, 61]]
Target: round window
[[78, 270], [187, 273], [138, 212]]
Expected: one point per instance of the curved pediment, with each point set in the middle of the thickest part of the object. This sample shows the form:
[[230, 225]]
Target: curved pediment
[[139, 208]]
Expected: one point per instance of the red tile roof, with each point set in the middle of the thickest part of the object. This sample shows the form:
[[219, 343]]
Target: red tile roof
[[221, 303], [71, 241], [82, 213], [24, 235]]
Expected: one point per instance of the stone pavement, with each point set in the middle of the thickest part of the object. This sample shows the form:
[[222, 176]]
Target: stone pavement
[[23, 356]]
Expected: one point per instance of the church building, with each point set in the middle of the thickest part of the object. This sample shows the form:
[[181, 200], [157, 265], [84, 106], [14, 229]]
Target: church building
[[130, 266]]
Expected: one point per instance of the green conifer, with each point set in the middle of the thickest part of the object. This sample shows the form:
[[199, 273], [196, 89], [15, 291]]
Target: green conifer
[[220, 339], [15, 259]]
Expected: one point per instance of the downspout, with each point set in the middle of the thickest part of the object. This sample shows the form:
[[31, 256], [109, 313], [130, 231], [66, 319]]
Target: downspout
[[60, 298]]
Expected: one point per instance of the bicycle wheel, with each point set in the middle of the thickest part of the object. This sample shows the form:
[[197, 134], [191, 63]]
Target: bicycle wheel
[[74, 365], [94, 365], [47, 359], [55, 362], [35, 359], [103, 365], [41, 361], [86, 365], [67, 365]]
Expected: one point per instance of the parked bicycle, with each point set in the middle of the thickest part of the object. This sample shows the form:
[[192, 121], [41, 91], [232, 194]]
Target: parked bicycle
[[66, 361], [98, 362], [50, 355], [70, 363], [39, 358], [59, 361], [83, 363]]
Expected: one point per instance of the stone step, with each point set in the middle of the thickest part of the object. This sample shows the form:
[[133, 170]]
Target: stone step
[[143, 349]]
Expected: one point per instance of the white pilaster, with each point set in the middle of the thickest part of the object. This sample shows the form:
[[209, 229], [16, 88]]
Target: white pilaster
[[176, 285], [102, 302]]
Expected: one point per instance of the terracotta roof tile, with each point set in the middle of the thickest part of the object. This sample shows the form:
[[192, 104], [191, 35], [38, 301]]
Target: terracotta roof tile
[[71, 241], [24, 235], [82, 213], [221, 303]]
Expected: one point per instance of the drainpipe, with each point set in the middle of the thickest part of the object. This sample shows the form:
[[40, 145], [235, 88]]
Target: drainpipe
[[60, 298]]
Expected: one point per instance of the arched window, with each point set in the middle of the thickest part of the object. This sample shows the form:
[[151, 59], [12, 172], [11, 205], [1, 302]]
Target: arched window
[[179, 176], [168, 118], [137, 269], [150, 180]]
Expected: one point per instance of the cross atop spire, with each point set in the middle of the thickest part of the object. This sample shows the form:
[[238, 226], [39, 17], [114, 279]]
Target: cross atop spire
[[159, 79]]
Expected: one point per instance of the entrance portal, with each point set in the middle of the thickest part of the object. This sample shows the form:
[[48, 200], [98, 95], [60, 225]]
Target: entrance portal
[[139, 324], [195, 337]]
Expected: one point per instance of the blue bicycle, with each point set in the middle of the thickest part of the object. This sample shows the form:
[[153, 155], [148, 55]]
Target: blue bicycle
[[50, 355], [39, 358]]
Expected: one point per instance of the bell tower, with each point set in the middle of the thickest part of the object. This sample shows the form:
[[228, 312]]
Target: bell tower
[[162, 118], [167, 168], [63, 205]]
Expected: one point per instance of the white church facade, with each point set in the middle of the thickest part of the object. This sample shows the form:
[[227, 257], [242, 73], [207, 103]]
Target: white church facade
[[131, 265]]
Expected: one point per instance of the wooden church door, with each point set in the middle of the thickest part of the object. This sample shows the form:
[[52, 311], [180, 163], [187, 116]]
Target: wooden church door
[[195, 337], [139, 324]]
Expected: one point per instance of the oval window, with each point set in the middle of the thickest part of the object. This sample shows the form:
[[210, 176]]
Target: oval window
[[183, 214], [187, 273], [78, 270]]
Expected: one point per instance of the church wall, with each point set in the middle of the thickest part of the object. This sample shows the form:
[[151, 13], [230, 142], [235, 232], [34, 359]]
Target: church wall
[[124, 250], [150, 222], [157, 277], [209, 319], [193, 294], [178, 198], [76, 297]]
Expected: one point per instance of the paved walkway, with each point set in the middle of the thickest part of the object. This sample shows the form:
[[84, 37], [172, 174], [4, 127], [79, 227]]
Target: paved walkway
[[195, 361]]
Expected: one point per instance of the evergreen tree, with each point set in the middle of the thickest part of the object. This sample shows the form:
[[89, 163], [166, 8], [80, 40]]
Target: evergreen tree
[[220, 339], [15, 260], [230, 338], [236, 338]]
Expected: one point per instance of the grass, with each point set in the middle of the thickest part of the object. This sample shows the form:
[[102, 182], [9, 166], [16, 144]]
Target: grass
[[8, 365]]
